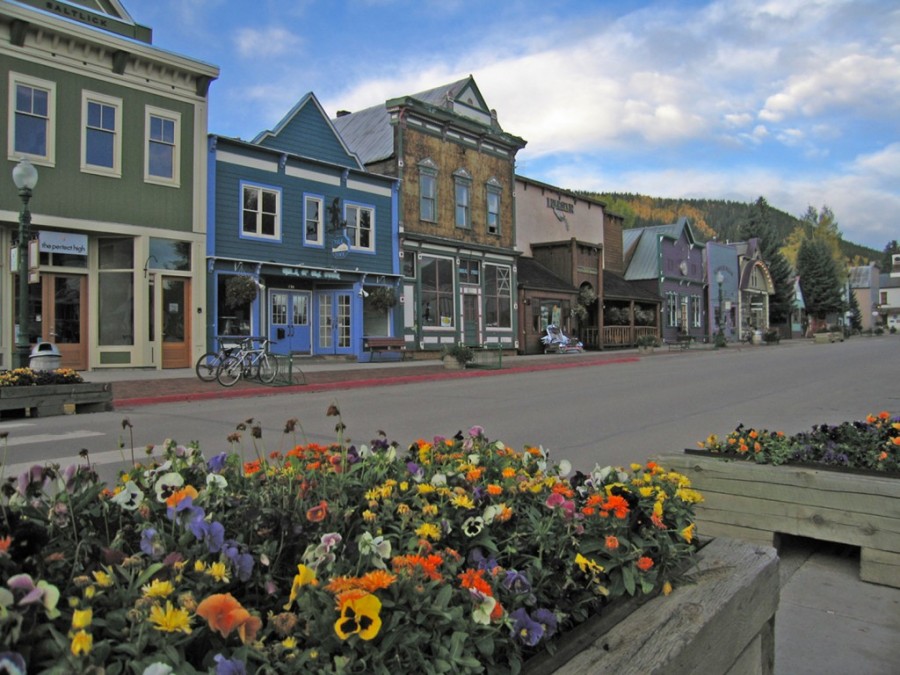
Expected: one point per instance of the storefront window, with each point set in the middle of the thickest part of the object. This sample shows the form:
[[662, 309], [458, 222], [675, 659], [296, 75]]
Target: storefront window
[[233, 320], [497, 296], [166, 254], [116, 291], [437, 291]]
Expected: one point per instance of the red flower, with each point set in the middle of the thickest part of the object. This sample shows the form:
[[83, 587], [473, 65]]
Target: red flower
[[317, 513], [644, 563]]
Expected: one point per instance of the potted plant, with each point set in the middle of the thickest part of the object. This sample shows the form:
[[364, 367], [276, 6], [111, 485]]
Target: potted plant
[[456, 356], [647, 343], [240, 291], [381, 298]]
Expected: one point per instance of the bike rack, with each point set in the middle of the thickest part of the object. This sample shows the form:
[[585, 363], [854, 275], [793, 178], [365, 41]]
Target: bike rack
[[287, 374]]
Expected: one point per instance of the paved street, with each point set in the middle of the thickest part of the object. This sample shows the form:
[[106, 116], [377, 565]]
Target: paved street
[[613, 409]]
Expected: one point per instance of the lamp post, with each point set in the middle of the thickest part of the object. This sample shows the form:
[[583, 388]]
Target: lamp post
[[25, 176], [720, 336]]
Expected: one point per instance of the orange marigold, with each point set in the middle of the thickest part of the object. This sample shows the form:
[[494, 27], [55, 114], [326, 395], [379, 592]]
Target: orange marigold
[[644, 563], [494, 489], [376, 580]]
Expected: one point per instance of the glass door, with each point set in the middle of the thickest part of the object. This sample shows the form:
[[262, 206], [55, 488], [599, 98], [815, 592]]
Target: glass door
[[289, 321], [471, 319], [62, 316], [176, 333], [334, 327]]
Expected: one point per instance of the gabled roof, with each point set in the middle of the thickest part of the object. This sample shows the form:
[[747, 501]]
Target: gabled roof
[[616, 287], [307, 131], [639, 247], [532, 274], [863, 276], [370, 134]]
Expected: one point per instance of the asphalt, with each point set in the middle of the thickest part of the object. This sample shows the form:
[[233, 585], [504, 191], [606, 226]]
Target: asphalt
[[828, 621]]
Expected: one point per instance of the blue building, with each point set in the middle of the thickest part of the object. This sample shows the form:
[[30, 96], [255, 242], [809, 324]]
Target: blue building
[[303, 241]]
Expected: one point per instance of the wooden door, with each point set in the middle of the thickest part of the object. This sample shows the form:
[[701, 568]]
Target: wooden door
[[64, 319], [176, 328]]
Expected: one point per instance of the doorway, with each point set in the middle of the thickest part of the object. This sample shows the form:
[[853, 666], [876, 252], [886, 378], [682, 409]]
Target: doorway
[[334, 322], [176, 316], [289, 321], [471, 319], [60, 316]]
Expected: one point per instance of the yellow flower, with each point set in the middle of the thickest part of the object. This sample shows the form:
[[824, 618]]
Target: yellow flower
[[171, 619], [219, 572], [430, 509], [688, 495], [289, 643], [402, 509], [158, 589], [463, 502], [425, 488], [667, 588], [103, 579], [688, 533], [82, 643], [368, 516], [90, 591], [306, 576], [81, 618], [429, 531], [359, 616], [199, 566]]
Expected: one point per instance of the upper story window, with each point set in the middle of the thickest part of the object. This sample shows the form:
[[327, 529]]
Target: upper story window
[[360, 226], [313, 229], [492, 191], [101, 138], [32, 130], [162, 150], [462, 182], [428, 191], [260, 212]]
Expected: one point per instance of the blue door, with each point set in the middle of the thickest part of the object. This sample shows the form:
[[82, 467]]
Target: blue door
[[289, 327], [334, 325]]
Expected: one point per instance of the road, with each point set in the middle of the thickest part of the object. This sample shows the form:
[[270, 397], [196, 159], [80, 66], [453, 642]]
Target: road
[[607, 414]]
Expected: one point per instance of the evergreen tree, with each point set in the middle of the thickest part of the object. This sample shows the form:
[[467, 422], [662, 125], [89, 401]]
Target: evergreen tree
[[819, 279], [759, 225], [855, 312]]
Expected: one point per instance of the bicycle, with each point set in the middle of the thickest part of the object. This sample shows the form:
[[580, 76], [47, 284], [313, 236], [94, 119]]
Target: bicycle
[[249, 362], [207, 366]]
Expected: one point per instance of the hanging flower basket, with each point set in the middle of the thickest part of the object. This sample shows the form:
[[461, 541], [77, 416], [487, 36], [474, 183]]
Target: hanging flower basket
[[240, 291], [382, 298]]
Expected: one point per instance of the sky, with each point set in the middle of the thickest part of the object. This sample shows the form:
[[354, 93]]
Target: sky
[[797, 101]]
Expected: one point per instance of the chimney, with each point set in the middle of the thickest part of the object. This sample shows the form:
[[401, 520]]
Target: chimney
[[343, 113], [895, 265]]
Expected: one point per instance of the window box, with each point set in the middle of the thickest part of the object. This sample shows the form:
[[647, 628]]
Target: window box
[[757, 501], [46, 400]]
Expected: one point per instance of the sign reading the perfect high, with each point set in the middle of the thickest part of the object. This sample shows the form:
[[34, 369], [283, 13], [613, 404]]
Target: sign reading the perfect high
[[63, 242]]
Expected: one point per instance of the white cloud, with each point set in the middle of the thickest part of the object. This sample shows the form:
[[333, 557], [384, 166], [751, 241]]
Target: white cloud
[[266, 43]]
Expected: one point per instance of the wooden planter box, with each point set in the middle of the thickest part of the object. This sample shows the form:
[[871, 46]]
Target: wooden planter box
[[56, 399], [757, 501], [723, 622]]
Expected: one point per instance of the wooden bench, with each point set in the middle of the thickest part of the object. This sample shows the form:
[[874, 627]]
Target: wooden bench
[[382, 345], [681, 342]]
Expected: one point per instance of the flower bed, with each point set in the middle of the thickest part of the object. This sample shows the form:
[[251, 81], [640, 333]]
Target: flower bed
[[836, 483], [461, 555], [54, 392]]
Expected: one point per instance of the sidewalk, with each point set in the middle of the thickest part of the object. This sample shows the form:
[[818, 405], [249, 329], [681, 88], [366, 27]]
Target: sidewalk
[[828, 620]]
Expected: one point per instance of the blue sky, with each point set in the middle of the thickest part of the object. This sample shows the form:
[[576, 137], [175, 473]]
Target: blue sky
[[794, 100]]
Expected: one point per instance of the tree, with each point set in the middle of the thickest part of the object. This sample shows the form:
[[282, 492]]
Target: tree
[[819, 279], [890, 250], [759, 225], [855, 312]]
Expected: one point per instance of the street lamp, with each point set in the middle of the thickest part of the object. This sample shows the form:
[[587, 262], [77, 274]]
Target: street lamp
[[25, 176], [720, 336]]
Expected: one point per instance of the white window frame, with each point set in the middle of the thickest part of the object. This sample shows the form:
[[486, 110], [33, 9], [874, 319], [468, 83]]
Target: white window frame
[[258, 235], [352, 217], [49, 157], [493, 271], [428, 169], [319, 241], [88, 97], [462, 180], [452, 295], [151, 112], [672, 308], [493, 188], [696, 305]]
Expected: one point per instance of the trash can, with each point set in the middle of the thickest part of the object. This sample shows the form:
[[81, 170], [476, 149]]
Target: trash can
[[44, 356]]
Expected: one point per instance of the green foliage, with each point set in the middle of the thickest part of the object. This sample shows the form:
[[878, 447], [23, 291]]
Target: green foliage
[[819, 278], [462, 353], [759, 225]]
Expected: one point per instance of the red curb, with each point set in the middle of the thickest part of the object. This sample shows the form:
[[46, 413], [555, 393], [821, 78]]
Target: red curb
[[356, 384]]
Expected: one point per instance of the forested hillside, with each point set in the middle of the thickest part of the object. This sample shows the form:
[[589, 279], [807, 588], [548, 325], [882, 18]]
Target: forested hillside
[[712, 218]]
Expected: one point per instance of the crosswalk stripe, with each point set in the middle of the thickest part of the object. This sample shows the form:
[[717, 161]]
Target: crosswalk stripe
[[13, 441]]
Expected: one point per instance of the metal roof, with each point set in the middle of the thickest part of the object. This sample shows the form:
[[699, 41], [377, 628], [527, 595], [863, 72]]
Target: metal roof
[[640, 247]]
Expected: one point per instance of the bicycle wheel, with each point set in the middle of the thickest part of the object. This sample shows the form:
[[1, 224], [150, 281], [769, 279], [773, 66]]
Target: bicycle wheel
[[251, 367], [208, 365], [268, 368], [230, 371]]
